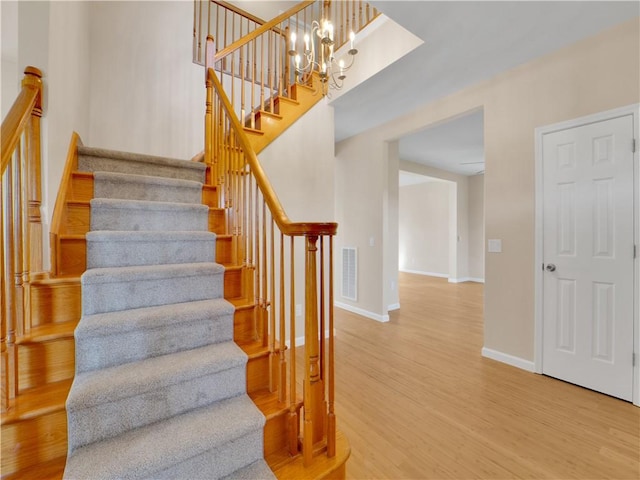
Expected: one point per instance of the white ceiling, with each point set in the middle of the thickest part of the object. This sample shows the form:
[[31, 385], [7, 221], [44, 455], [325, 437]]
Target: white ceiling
[[464, 43]]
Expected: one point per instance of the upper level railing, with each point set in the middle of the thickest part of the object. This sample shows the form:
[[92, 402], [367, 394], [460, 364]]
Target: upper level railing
[[225, 22], [21, 239], [258, 67]]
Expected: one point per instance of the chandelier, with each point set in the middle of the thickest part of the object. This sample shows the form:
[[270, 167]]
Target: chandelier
[[320, 57]]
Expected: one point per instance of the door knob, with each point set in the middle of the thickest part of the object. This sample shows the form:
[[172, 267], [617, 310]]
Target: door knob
[[551, 267]]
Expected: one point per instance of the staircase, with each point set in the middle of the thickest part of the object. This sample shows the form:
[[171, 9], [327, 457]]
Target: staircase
[[134, 241]]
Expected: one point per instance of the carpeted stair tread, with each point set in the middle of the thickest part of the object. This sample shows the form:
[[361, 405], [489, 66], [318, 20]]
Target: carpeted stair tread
[[145, 187], [116, 214], [110, 248], [258, 470], [107, 339], [108, 402], [143, 452], [129, 379], [121, 288], [91, 159]]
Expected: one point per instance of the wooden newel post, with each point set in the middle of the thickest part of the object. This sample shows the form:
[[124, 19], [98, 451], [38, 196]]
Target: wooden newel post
[[314, 414], [33, 177], [208, 116]]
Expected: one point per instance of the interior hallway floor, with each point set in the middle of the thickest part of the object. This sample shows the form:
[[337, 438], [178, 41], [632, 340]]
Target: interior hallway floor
[[418, 401]]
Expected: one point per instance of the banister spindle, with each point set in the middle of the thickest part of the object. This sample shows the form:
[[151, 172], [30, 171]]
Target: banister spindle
[[313, 386], [282, 371], [294, 425], [331, 418]]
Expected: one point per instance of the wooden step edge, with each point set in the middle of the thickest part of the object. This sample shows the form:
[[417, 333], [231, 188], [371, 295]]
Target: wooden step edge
[[51, 281], [49, 470], [47, 333], [241, 303], [292, 101], [269, 404], [38, 401], [321, 468], [75, 236], [79, 173], [78, 203], [253, 131], [266, 113]]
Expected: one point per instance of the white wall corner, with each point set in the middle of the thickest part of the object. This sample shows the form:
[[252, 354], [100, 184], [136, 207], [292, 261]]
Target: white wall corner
[[362, 312], [508, 359], [466, 279], [393, 306]]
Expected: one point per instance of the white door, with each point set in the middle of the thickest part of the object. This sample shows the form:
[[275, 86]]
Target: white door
[[588, 256]]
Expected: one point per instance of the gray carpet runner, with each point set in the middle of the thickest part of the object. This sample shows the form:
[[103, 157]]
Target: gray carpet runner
[[160, 386]]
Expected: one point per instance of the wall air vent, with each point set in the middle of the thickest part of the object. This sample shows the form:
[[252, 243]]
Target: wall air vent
[[350, 273]]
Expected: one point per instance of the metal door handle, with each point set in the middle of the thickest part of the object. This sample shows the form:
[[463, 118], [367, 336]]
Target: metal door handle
[[551, 267]]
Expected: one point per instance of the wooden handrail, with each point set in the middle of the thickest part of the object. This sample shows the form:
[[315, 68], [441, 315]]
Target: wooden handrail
[[277, 211], [239, 11], [271, 25], [28, 101]]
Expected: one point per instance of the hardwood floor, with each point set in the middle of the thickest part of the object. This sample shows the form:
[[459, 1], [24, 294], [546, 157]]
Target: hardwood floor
[[416, 400]]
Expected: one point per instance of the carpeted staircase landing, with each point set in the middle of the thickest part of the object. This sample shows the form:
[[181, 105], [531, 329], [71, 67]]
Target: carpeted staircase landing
[[160, 386]]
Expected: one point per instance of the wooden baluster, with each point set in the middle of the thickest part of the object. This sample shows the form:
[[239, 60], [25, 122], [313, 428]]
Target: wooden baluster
[[224, 44], [273, 361], [253, 84], [262, 68], [242, 85], [9, 364], [294, 425], [286, 62], [271, 66], [209, 19], [321, 316], [33, 181], [282, 377], [195, 40], [200, 31], [258, 272], [265, 276], [313, 387], [208, 116], [18, 247], [331, 418]]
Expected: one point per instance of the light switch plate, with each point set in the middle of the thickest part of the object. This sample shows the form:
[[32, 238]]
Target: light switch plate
[[494, 245]]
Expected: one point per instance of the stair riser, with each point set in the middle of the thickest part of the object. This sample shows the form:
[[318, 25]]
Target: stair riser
[[81, 189], [55, 303], [47, 362], [258, 373], [103, 164], [244, 325], [99, 297], [276, 433], [220, 462], [29, 442], [233, 284], [136, 219], [113, 418], [106, 351], [73, 254], [132, 190], [101, 254], [216, 221]]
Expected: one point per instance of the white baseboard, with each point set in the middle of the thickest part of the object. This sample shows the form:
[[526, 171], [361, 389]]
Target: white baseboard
[[427, 274], [364, 313], [517, 362], [393, 306], [466, 279]]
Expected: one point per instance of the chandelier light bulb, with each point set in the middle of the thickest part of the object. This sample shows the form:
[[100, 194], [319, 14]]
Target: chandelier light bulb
[[306, 42]]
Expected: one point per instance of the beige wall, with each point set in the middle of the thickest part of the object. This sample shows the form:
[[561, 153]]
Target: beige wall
[[596, 74], [146, 94], [476, 227], [424, 228]]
